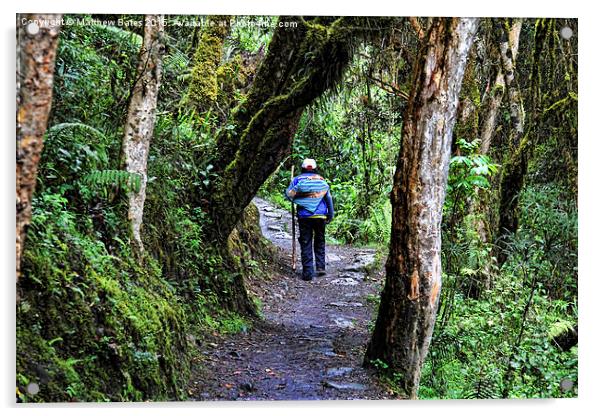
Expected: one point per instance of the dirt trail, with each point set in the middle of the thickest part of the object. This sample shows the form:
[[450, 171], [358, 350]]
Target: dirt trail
[[311, 341]]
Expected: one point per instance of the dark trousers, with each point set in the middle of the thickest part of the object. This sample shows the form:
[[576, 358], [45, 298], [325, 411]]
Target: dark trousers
[[312, 230]]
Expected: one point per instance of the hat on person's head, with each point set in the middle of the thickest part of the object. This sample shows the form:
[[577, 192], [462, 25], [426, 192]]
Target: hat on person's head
[[309, 164]]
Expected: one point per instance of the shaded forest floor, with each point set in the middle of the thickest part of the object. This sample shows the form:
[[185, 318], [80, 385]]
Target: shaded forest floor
[[311, 340]]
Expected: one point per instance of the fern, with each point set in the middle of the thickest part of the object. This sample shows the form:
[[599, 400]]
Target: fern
[[176, 62], [483, 388], [444, 346], [60, 129], [118, 35], [120, 179]]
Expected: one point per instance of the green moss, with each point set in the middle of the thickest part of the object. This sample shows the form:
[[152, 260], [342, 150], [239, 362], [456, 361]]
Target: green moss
[[92, 326], [497, 89], [203, 88], [232, 76]]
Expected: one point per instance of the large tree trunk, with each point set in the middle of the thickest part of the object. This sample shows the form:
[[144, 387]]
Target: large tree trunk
[[37, 39], [409, 301], [302, 62], [140, 121]]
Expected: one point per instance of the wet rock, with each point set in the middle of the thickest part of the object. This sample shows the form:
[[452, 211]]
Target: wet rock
[[273, 215], [282, 236], [365, 259], [327, 350], [353, 275], [344, 281], [346, 304], [359, 262], [337, 372], [268, 208], [304, 387], [344, 386], [274, 228], [332, 257], [342, 322]]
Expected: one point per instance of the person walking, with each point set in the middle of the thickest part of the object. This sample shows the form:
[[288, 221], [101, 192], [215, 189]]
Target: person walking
[[311, 193]]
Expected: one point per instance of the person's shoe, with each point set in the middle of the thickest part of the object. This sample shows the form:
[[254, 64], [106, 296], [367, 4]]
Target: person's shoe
[[321, 272], [307, 274]]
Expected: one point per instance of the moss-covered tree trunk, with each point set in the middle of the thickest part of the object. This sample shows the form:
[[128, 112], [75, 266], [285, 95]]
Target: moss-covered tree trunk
[[140, 122], [514, 167], [37, 39], [520, 143], [496, 93], [409, 300], [203, 88]]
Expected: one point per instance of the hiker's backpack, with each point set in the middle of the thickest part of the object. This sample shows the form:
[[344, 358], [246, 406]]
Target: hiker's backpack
[[310, 191]]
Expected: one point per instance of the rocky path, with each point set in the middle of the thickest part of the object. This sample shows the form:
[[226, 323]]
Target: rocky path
[[310, 343]]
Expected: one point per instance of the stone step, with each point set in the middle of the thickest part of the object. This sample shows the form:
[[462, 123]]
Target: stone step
[[344, 386]]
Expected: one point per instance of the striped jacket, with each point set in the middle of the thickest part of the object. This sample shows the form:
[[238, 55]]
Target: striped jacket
[[312, 194]]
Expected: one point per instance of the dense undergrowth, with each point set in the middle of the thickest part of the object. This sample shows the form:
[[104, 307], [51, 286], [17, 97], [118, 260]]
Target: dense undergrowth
[[508, 342]]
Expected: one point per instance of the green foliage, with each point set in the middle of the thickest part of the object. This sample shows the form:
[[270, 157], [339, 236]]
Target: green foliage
[[250, 37], [484, 333], [549, 224], [72, 150], [468, 172], [212, 318], [95, 67], [119, 179], [503, 340]]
